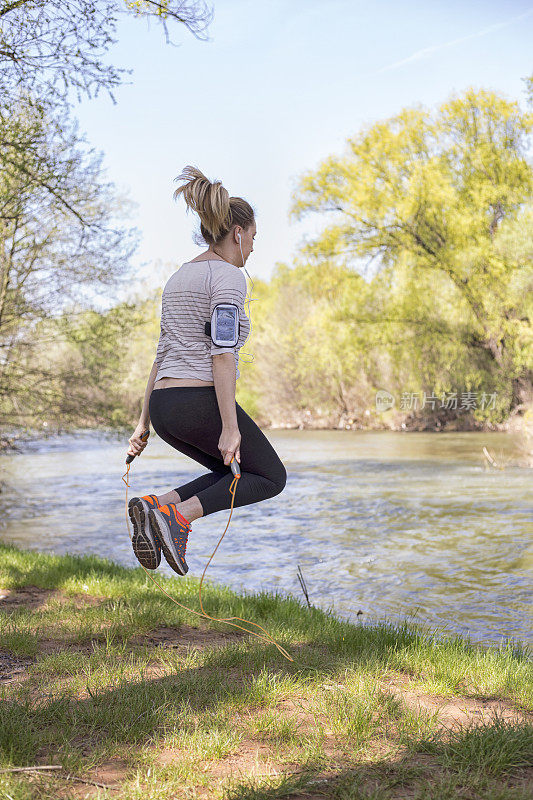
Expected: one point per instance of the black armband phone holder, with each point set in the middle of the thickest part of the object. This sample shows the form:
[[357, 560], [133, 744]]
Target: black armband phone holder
[[224, 327]]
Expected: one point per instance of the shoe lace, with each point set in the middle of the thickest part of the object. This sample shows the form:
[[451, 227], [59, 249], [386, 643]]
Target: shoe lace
[[181, 539], [181, 542]]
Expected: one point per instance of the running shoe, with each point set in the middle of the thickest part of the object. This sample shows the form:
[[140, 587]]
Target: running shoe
[[145, 544], [172, 531]]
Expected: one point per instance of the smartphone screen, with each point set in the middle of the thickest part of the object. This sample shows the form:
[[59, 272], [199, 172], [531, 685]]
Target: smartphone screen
[[226, 324]]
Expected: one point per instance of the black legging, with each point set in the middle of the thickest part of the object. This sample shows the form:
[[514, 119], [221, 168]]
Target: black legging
[[188, 418]]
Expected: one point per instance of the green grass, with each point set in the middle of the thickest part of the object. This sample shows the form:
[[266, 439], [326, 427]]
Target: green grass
[[238, 721]]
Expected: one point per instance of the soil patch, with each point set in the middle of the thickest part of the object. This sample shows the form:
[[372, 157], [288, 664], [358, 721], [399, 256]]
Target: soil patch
[[34, 597], [186, 637], [111, 773], [25, 597], [454, 712], [182, 637], [12, 668]]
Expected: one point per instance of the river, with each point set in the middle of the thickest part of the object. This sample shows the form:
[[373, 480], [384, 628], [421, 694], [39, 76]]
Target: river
[[396, 525]]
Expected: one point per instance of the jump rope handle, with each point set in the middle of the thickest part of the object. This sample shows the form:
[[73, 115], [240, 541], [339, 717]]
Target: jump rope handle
[[144, 437]]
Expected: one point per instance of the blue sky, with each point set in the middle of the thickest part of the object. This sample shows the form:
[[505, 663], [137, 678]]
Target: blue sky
[[279, 86]]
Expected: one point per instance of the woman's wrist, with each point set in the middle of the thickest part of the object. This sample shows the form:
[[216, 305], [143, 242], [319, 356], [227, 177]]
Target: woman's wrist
[[233, 426]]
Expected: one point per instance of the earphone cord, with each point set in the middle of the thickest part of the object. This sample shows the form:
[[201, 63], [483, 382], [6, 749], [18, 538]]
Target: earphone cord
[[248, 300], [266, 638]]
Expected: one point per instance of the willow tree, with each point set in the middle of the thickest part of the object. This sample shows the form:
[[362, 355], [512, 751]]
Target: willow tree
[[433, 200]]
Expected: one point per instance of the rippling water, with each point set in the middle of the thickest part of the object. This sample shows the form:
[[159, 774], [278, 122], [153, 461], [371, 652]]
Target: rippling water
[[393, 524]]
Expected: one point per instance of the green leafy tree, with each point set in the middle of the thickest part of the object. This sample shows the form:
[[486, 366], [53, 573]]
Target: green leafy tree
[[430, 200], [69, 376], [62, 238], [61, 242]]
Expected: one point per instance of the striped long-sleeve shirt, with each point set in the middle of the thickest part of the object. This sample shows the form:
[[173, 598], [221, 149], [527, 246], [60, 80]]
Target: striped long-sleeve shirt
[[189, 297]]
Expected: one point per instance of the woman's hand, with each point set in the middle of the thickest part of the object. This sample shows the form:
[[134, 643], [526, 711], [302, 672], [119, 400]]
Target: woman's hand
[[136, 443], [229, 444]]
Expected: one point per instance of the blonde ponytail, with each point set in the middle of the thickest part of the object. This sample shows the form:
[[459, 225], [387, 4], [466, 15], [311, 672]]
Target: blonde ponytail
[[211, 201]]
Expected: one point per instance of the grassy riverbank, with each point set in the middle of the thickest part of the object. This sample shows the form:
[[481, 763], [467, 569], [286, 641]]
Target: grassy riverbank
[[105, 677]]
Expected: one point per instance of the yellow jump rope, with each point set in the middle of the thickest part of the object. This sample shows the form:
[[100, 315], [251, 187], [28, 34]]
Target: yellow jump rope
[[237, 473]]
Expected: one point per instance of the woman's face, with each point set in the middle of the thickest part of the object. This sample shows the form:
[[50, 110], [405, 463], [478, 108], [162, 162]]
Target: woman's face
[[247, 240]]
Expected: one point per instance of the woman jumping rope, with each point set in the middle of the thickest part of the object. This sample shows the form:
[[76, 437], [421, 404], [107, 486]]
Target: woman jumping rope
[[190, 395]]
